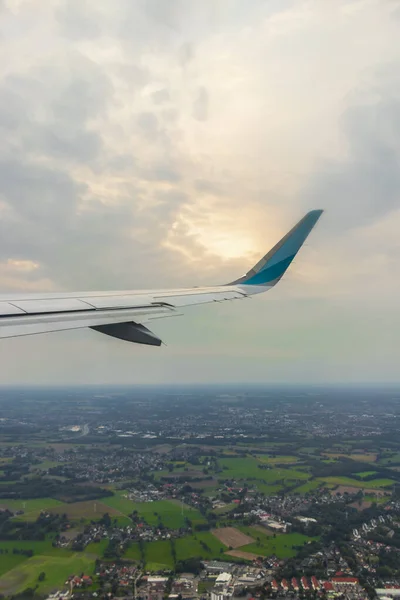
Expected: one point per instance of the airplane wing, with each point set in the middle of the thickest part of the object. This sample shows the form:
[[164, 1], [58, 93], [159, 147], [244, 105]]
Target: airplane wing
[[122, 314]]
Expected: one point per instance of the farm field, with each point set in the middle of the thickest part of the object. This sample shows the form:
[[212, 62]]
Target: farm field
[[241, 554], [368, 457], [56, 568], [36, 504], [159, 553], [248, 468], [282, 546], [190, 544], [9, 561], [374, 483], [257, 531], [269, 489], [392, 459], [272, 460], [230, 536], [169, 511], [309, 486], [364, 474], [89, 509]]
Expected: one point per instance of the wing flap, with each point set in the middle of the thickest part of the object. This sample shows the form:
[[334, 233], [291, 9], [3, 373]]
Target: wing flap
[[130, 332]]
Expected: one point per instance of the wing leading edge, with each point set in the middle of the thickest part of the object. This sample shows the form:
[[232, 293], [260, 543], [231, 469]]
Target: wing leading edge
[[122, 314]]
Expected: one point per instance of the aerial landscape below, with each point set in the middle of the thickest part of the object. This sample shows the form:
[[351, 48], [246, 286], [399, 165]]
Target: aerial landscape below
[[199, 492]]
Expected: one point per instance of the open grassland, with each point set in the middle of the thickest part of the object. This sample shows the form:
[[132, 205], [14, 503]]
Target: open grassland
[[283, 546], [168, 511], [203, 545], [38, 547], [245, 555], [57, 569], [269, 489], [391, 459], [309, 486], [36, 504], [249, 468], [278, 460], [373, 484], [224, 509], [9, 561], [96, 548], [368, 457], [89, 509], [192, 546], [257, 533], [364, 474]]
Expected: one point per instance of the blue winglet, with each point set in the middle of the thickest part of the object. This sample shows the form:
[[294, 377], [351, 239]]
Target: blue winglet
[[271, 268]]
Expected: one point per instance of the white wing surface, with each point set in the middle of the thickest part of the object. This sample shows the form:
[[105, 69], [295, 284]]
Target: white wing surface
[[122, 314]]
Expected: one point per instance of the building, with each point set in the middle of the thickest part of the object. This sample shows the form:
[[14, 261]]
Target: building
[[305, 583], [223, 579], [274, 585], [217, 595], [314, 583], [285, 585], [345, 580], [295, 584], [214, 566]]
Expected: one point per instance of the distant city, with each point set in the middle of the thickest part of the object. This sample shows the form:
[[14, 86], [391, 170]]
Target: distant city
[[200, 492]]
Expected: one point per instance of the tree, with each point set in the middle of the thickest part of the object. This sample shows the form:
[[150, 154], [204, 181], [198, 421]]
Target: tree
[[42, 576]]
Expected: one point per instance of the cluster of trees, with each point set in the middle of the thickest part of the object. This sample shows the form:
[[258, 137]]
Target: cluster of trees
[[33, 530], [21, 551], [345, 467], [189, 565], [41, 487]]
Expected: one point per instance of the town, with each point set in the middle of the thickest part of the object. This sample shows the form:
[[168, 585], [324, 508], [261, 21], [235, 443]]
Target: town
[[199, 493]]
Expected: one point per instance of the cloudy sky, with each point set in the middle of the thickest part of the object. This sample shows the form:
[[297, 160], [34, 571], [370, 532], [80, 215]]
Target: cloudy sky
[[167, 143]]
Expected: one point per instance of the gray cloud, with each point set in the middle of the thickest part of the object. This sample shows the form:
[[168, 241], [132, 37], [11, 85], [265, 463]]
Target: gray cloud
[[160, 96], [78, 20], [365, 185], [200, 105]]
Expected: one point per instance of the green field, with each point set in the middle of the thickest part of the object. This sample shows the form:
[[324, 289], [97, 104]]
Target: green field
[[9, 561], [269, 489], [38, 547], [309, 486], [159, 553], [170, 512], [36, 504], [97, 548], [374, 483], [46, 464], [372, 498], [364, 474], [248, 468], [280, 460], [393, 459], [264, 537], [57, 569], [282, 546]]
